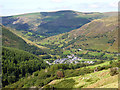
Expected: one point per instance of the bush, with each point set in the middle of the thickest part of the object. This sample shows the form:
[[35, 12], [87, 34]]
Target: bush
[[113, 71], [36, 73], [60, 74]]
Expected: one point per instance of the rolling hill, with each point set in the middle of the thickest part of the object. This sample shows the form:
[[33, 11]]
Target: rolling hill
[[37, 26], [99, 34]]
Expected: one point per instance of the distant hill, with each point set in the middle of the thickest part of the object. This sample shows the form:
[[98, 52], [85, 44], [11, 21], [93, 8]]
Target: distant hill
[[36, 26], [99, 34]]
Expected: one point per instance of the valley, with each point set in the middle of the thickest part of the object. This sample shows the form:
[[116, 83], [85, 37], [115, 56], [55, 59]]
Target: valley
[[62, 49]]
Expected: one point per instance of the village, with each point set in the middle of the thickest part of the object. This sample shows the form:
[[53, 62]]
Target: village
[[70, 59]]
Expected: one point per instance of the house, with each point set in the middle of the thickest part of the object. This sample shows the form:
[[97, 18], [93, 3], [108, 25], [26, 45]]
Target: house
[[48, 63], [76, 62], [69, 56], [71, 59], [79, 49], [89, 62]]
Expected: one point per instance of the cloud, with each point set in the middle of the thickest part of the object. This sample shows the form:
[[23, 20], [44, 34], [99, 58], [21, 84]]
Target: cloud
[[57, 1], [94, 6], [10, 7], [114, 4]]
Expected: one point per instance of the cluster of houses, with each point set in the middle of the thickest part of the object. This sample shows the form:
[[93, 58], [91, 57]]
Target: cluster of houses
[[89, 62], [70, 59]]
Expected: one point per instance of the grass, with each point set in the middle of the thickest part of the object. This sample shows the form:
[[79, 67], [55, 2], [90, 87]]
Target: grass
[[28, 41], [90, 60], [66, 52], [106, 83], [101, 79], [113, 85], [102, 64], [95, 53], [108, 55], [97, 38], [68, 83]]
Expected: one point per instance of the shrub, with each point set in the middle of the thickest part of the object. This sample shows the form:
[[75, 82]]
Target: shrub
[[60, 74], [113, 71], [36, 73]]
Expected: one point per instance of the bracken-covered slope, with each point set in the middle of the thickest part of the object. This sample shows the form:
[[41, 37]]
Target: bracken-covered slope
[[101, 34]]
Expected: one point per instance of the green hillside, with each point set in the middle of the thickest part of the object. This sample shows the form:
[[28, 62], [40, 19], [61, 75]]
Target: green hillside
[[101, 79], [99, 34], [63, 76], [37, 26], [80, 48], [9, 39], [17, 64]]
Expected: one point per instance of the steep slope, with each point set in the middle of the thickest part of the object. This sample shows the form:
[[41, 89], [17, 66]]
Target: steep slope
[[17, 64], [99, 79], [63, 76], [9, 39], [99, 34], [36, 26]]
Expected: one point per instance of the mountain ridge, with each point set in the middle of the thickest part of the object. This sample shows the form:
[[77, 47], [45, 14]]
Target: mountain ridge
[[45, 24]]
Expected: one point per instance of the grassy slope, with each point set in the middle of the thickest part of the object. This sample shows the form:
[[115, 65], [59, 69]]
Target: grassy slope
[[94, 35], [93, 80], [28, 41], [12, 39], [86, 80]]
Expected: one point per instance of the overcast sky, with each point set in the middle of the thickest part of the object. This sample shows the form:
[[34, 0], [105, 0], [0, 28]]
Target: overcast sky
[[14, 7]]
